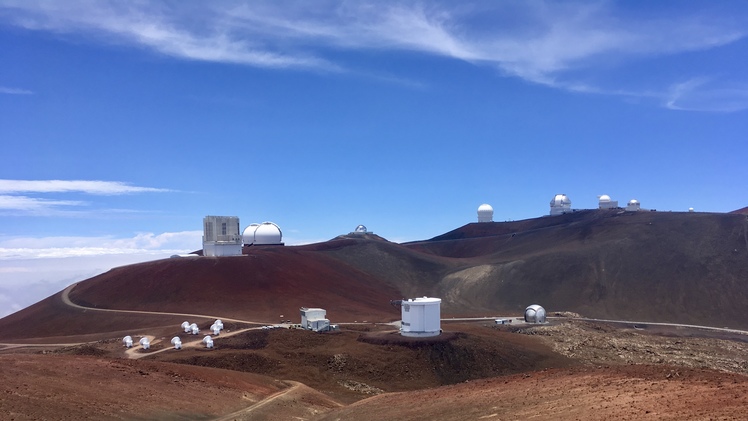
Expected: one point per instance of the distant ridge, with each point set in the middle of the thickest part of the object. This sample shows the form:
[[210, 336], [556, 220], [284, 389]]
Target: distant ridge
[[742, 211], [676, 267]]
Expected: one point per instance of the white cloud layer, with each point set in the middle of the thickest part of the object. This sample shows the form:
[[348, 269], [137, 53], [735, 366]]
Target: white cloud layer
[[32, 269], [538, 41]]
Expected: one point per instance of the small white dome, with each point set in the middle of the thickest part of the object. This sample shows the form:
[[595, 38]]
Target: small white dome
[[485, 213], [360, 229], [604, 198], [248, 236], [268, 233]]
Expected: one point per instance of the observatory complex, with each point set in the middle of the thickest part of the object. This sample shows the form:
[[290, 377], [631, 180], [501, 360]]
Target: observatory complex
[[221, 236]]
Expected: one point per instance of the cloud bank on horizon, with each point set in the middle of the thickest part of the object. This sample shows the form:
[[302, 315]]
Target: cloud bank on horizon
[[556, 44]]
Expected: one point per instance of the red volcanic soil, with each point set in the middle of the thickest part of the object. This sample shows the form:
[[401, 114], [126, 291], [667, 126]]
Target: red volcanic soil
[[259, 286], [38, 387], [742, 211], [605, 393]]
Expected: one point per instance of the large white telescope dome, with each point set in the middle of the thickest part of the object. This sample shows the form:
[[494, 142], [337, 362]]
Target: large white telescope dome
[[248, 236], [560, 204], [268, 233], [485, 213]]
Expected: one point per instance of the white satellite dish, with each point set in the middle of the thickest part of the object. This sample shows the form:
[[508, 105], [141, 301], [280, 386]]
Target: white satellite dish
[[145, 343], [186, 326], [194, 329], [219, 323], [216, 330], [208, 341], [127, 341], [176, 342]]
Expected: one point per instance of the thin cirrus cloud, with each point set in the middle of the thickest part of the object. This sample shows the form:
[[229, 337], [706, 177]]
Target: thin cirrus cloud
[[95, 187], [14, 91], [20, 197], [548, 43]]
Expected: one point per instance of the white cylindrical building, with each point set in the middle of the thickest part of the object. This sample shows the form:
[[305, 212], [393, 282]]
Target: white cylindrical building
[[421, 317], [485, 213], [560, 204], [535, 314]]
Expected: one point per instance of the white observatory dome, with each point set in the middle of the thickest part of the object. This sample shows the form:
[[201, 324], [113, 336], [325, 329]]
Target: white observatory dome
[[535, 314], [604, 198], [633, 205], [268, 233], [360, 229], [485, 213], [248, 236], [560, 204]]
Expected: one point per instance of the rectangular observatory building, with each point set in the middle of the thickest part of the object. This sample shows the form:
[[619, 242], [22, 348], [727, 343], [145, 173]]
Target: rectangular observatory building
[[221, 236], [314, 319]]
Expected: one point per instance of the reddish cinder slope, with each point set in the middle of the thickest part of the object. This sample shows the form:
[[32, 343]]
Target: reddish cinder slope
[[607, 393], [261, 286]]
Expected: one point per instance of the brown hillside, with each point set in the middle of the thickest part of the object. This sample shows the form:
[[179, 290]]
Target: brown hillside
[[258, 287], [654, 266]]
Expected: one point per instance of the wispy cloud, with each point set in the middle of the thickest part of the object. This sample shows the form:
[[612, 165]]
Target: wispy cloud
[[95, 187], [21, 197], [705, 94], [14, 91], [538, 41], [24, 203]]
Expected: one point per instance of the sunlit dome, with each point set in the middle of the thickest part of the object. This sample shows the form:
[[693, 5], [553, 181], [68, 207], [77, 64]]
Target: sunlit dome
[[633, 202], [268, 233], [560, 204], [604, 198], [535, 314], [360, 229], [561, 200], [485, 213], [248, 236]]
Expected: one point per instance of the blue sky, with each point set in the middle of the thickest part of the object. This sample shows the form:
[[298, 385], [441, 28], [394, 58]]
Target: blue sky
[[124, 123]]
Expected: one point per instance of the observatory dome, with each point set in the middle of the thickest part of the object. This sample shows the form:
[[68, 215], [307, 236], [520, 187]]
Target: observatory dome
[[633, 205], [604, 198], [560, 204], [268, 233], [360, 229], [485, 213], [535, 314], [248, 236]]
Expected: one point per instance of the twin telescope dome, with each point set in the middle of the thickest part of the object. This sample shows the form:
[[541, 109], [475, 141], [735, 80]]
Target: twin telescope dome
[[265, 233]]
